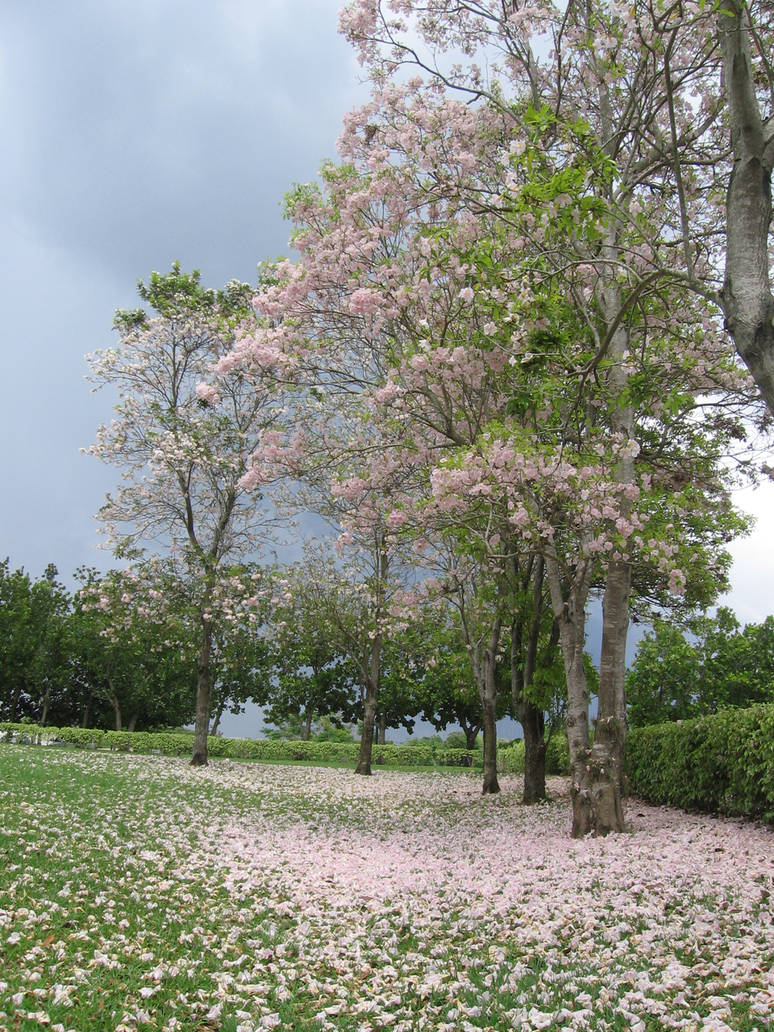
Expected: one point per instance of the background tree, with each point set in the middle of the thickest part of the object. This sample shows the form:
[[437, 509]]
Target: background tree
[[352, 598], [183, 447], [33, 616], [678, 674], [135, 650]]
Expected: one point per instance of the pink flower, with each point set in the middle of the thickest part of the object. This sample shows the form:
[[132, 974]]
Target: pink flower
[[364, 302]]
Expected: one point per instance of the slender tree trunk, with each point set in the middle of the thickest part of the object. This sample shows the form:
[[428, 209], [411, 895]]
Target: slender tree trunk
[[471, 734], [86, 718], [381, 729], [610, 732], [533, 722], [202, 722], [372, 663], [45, 703], [527, 713], [216, 721], [308, 718], [132, 722], [484, 667], [491, 785], [369, 715], [589, 803], [746, 298], [14, 710], [116, 712]]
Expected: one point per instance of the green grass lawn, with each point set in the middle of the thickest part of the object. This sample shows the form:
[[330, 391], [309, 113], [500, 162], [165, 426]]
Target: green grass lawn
[[139, 893]]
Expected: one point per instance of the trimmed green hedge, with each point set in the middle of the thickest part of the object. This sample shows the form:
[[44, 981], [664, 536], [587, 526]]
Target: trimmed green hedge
[[176, 744], [722, 763], [510, 757]]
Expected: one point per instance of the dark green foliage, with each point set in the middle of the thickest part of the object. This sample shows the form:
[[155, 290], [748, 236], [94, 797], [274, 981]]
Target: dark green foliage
[[723, 665], [723, 763]]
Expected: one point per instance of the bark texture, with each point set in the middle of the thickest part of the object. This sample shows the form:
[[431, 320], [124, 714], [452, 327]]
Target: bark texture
[[490, 785], [484, 662], [746, 297], [369, 718], [532, 721], [569, 604]]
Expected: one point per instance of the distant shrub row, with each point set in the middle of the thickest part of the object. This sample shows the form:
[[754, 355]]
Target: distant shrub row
[[176, 744], [722, 763]]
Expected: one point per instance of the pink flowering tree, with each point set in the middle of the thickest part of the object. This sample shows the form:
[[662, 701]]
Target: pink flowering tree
[[483, 434], [182, 437], [594, 95], [496, 285]]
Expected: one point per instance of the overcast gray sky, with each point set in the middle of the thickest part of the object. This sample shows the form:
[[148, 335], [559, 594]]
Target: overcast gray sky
[[137, 134]]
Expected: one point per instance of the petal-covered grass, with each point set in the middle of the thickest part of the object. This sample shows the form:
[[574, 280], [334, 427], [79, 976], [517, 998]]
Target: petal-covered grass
[[137, 892]]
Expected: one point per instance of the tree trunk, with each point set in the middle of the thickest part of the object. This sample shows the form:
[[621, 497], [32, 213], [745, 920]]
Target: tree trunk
[[471, 734], [308, 718], [14, 708], [86, 718], [369, 715], [491, 785], [610, 733], [570, 613], [116, 712], [132, 722], [746, 297], [202, 723], [381, 729], [533, 722], [530, 717], [371, 663], [45, 703], [216, 721], [484, 662]]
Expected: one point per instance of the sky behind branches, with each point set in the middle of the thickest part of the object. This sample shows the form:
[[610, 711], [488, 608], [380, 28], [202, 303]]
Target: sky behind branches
[[136, 135]]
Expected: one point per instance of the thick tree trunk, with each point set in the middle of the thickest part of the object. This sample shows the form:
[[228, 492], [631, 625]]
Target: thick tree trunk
[[610, 735], [369, 716], [132, 722], [746, 298], [202, 721]]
